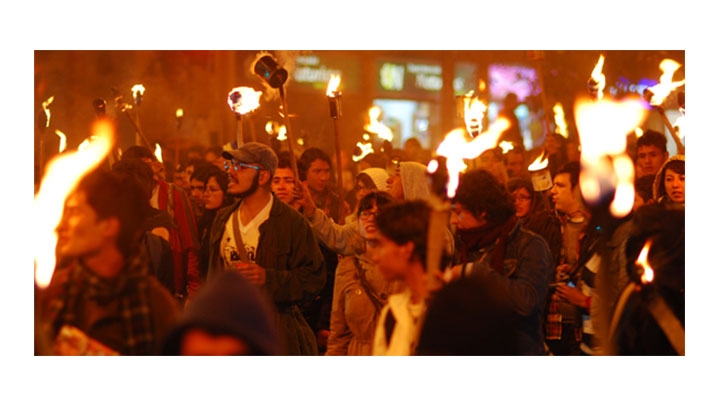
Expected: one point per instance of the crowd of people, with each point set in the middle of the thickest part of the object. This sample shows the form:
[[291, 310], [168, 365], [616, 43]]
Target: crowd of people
[[234, 252]]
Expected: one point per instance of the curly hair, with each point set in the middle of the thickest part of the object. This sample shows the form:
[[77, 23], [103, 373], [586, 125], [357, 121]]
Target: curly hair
[[480, 192]]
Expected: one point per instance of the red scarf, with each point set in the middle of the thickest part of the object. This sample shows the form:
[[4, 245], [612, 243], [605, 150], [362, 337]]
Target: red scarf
[[478, 238]]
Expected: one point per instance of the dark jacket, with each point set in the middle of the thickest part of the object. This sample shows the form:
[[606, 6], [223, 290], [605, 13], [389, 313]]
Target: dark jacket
[[295, 268], [528, 271]]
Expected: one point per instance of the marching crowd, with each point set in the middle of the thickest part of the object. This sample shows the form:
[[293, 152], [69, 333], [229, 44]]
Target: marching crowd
[[236, 253]]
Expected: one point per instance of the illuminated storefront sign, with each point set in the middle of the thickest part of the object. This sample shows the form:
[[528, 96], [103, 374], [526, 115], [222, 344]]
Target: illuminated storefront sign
[[410, 77], [315, 71]]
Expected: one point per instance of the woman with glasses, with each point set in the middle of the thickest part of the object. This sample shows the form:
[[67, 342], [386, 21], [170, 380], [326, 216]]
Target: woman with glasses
[[534, 213], [360, 291]]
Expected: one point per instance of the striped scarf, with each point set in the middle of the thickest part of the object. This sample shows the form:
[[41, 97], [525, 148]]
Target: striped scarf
[[130, 287]]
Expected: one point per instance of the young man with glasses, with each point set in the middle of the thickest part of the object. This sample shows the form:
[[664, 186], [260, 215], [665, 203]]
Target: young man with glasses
[[268, 242]]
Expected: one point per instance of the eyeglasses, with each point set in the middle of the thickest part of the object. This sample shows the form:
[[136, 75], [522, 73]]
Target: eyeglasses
[[368, 214], [521, 197], [237, 165]]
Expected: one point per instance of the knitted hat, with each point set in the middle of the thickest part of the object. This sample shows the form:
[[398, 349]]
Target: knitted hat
[[230, 305], [254, 153]]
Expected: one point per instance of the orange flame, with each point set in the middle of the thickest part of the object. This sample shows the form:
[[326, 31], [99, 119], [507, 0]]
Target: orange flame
[[560, 123], [661, 90], [603, 126], [248, 100], [598, 76], [474, 113], [377, 127], [63, 173], [282, 133], [639, 132], [333, 85], [539, 163], [642, 261], [456, 147], [63, 141], [46, 108], [158, 152], [506, 146], [179, 112], [365, 149]]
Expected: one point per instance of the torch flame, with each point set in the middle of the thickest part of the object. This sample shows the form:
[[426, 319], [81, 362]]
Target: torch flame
[[539, 163], [377, 127], [46, 108], [639, 132], [138, 90], [560, 123], [179, 113], [622, 204], [158, 152], [456, 147], [474, 113], [598, 76], [642, 261], [661, 90], [365, 149], [63, 141], [63, 173], [603, 126], [282, 133], [242, 100], [506, 146], [333, 85]]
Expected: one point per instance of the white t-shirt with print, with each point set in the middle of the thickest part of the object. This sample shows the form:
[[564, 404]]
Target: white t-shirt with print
[[250, 233]]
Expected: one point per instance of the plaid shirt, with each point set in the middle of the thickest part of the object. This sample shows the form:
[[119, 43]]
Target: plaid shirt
[[123, 302]]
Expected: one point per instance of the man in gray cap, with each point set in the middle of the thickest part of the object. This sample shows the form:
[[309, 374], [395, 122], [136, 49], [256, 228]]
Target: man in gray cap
[[268, 242]]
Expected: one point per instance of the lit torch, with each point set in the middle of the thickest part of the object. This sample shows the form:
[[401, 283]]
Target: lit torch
[[125, 108], [274, 75], [242, 100], [63, 140], [43, 123], [333, 95], [138, 91], [656, 95], [377, 127], [474, 112], [648, 273], [179, 113], [540, 174], [560, 123], [362, 149], [158, 153], [63, 174], [596, 83], [606, 169], [46, 109]]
